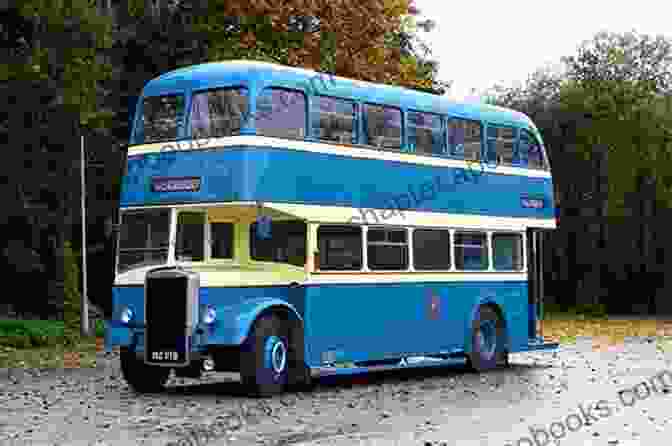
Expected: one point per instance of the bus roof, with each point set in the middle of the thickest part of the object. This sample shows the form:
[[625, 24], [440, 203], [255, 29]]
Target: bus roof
[[242, 72]]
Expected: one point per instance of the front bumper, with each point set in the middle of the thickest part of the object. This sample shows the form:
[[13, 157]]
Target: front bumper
[[133, 339]]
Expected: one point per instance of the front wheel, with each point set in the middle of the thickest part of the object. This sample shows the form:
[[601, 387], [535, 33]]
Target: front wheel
[[143, 378], [264, 358], [488, 346]]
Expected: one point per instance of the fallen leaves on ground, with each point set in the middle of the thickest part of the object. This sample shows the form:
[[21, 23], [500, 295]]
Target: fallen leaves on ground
[[608, 333]]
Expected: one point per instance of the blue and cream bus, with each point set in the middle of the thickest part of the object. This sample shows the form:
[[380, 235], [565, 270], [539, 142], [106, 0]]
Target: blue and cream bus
[[283, 224]]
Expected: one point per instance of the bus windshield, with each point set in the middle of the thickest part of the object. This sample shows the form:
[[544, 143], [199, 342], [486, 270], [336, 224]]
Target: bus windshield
[[162, 118], [143, 239]]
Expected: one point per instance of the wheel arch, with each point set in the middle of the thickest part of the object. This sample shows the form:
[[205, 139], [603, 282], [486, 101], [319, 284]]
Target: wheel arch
[[498, 308]]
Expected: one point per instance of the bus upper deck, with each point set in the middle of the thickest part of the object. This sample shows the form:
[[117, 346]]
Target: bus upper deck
[[250, 131]]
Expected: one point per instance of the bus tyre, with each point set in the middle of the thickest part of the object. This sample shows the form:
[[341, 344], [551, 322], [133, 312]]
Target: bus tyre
[[300, 378], [141, 377], [488, 348], [264, 358]]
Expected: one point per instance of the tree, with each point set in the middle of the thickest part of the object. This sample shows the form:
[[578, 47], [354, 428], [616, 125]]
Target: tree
[[606, 117], [82, 64]]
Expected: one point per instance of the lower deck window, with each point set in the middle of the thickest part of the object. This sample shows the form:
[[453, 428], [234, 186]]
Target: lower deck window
[[190, 236], [471, 251], [387, 249], [286, 244], [431, 249], [221, 240], [143, 239], [340, 248], [507, 251]]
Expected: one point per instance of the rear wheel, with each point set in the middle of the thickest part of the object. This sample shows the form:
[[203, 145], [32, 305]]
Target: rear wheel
[[488, 346], [141, 377], [264, 357]]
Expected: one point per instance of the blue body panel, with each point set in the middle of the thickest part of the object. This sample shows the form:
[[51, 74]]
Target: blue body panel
[[378, 321], [355, 322], [291, 176], [237, 309]]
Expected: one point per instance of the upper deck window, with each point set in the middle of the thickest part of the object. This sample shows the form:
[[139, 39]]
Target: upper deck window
[[424, 133], [334, 119], [218, 112], [281, 113], [162, 118], [530, 152], [464, 139], [501, 143], [383, 126]]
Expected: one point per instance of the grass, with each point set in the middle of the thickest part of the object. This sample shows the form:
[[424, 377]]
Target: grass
[[45, 344], [606, 332], [54, 356]]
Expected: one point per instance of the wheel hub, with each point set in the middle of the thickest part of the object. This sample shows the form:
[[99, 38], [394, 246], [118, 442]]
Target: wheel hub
[[276, 354]]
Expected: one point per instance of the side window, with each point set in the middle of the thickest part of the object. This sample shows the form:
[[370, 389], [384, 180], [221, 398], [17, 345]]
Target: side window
[[530, 152], [334, 120], [190, 236], [161, 118], [387, 249], [221, 240], [281, 113], [340, 248], [507, 251], [218, 112], [383, 126], [424, 133], [464, 139], [471, 251], [287, 243], [431, 249], [501, 143]]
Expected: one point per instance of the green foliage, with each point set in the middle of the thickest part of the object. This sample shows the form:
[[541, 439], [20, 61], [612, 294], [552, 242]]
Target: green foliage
[[609, 101], [100, 329], [31, 333], [580, 311], [247, 38], [590, 311], [65, 53], [136, 8]]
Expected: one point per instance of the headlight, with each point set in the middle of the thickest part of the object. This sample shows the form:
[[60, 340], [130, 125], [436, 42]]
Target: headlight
[[209, 315], [126, 315]]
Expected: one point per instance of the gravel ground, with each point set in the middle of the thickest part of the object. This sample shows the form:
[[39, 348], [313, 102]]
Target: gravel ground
[[426, 408]]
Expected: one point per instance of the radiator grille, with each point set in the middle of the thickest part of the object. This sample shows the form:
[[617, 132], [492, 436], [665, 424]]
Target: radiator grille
[[166, 318]]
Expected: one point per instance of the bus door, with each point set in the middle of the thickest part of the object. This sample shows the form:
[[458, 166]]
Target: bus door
[[535, 280]]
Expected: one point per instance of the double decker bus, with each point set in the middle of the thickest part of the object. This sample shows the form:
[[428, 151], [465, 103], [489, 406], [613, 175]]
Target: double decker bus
[[283, 224]]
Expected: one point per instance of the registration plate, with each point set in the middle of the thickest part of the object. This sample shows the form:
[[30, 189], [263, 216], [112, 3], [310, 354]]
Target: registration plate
[[165, 356]]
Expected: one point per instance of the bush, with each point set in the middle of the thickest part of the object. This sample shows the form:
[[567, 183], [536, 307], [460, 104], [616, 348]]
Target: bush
[[593, 311], [580, 311], [31, 333], [100, 329]]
